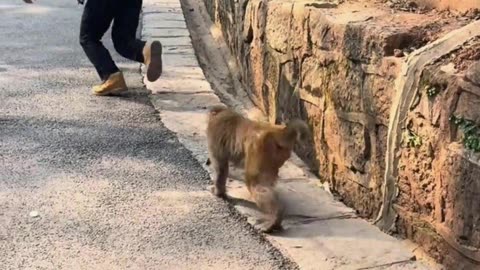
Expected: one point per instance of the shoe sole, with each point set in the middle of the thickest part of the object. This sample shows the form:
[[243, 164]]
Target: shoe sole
[[112, 92], [154, 69]]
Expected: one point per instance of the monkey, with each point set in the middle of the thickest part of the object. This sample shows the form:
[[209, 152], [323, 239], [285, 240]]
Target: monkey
[[260, 147]]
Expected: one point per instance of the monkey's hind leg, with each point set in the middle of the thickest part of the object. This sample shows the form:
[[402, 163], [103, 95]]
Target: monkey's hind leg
[[220, 167], [268, 202]]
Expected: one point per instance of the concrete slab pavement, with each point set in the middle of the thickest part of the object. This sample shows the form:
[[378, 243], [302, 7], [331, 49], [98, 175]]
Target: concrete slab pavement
[[320, 232]]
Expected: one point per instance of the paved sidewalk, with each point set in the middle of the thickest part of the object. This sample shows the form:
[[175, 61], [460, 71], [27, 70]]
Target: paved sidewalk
[[321, 233]]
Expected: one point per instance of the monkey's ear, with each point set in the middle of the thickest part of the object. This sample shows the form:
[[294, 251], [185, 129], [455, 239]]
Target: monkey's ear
[[213, 110]]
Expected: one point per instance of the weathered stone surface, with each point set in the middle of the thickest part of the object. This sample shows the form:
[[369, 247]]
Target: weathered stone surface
[[436, 170], [170, 41], [188, 86], [166, 32], [312, 217], [449, 4], [466, 102], [335, 66], [154, 18], [473, 74]]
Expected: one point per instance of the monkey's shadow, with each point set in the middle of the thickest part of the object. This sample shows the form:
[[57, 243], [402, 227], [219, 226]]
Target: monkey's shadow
[[243, 203]]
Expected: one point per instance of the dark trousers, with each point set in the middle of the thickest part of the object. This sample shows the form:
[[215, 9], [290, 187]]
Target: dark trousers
[[96, 19]]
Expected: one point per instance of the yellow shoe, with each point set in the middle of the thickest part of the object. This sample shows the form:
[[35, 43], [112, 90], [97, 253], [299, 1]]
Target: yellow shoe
[[114, 85], [152, 53]]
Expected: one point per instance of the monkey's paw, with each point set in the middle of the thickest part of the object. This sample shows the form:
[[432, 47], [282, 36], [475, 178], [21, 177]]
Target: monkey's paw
[[269, 226], [216, 192]]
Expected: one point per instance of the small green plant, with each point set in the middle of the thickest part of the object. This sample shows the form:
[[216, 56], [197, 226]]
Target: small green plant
[[470, 131], [431, 90], [472, 142], [412, 139]]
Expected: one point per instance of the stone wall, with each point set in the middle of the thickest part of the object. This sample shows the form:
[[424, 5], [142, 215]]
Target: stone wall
[[461, 6], [337, 66]]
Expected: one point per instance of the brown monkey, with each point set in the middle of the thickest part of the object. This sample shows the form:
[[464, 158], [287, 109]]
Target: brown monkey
[[260, 147]]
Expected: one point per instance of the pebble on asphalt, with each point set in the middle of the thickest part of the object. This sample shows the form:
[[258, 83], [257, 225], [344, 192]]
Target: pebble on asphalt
[[34, 214]]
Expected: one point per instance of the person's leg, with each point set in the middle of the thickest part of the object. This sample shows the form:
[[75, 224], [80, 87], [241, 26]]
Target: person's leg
[[96, 19], [124, 30]]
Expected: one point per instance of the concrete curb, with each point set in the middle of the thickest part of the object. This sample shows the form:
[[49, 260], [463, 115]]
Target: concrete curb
[[320, 232]]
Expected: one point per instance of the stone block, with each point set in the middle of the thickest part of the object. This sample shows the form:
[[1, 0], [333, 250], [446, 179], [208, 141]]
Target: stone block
[[473, 74]]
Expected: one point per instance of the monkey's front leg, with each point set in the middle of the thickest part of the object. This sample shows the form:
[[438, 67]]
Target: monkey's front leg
[[266, 199]]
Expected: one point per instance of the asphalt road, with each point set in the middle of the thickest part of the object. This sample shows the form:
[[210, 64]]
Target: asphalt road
[[98, 182]]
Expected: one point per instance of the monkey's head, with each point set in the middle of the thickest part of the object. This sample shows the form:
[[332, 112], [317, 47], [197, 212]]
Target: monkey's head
[[298, 129], [277, 145], [215, 110]]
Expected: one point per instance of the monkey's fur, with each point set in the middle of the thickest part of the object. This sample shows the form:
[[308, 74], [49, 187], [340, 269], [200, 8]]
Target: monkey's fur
[[260, 147]]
